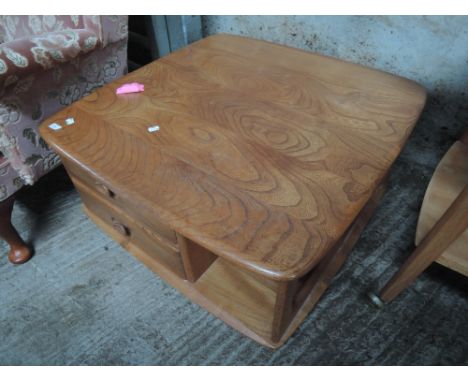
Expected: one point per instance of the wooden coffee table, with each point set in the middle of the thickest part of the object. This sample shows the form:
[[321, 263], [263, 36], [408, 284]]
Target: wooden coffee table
[[267, 164]]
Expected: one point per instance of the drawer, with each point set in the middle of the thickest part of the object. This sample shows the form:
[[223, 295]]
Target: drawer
[[150, 220], [128, 231]]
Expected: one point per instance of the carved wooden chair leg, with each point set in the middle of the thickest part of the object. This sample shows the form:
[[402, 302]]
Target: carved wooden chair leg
[[451, 225], [19, 251]]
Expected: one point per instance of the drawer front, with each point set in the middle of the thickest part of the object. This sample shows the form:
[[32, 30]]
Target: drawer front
[[148, 219], [129, 231]]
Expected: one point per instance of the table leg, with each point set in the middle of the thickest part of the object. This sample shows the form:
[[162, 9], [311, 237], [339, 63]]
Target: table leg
[[451, 225]]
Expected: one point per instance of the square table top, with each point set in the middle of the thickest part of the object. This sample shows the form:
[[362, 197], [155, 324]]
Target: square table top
[[265, 154]]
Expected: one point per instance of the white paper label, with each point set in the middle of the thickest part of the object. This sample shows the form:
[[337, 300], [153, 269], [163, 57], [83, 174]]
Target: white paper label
[[55, 126], [69, 121], [152, 129]]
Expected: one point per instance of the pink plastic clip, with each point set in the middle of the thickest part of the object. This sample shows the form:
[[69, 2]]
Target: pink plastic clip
[[133, 87]]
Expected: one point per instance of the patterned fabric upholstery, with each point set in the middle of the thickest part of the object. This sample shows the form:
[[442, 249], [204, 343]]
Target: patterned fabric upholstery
[[46, 63]]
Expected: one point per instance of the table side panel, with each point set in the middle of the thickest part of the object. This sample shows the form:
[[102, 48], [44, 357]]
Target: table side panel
[[130, 231], [145, 216]]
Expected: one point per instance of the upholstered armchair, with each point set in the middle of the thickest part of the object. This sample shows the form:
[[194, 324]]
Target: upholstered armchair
[[46, 63]]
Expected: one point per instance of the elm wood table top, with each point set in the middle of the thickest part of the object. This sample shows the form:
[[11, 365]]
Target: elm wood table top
[[265, 153]]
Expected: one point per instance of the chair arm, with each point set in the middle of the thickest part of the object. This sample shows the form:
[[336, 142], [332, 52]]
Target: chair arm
[[24, 56]]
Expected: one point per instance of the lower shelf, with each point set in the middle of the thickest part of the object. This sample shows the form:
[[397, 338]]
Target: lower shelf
[[267, 311], [222, 290], [230, 294]]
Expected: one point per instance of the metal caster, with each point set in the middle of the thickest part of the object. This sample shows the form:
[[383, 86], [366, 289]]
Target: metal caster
[[374, 300]]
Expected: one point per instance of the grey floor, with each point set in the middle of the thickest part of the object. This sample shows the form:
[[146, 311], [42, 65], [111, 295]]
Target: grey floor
[[84, 300]]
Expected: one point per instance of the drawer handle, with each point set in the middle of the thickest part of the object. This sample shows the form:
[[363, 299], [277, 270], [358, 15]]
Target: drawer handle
[[120, 228], [106, 191]]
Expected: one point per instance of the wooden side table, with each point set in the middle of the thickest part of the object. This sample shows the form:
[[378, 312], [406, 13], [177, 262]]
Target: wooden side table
[[442, 231], [266, 165]]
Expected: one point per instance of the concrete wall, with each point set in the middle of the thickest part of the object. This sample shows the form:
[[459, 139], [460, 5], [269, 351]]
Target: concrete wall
[[430, 50]]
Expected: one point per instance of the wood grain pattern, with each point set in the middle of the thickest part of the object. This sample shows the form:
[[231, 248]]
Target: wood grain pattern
[[148, 218], [265, 154], [448, 181], [297, 298]]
